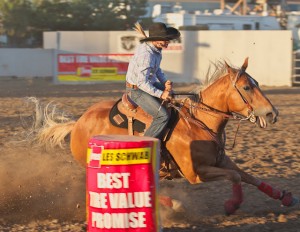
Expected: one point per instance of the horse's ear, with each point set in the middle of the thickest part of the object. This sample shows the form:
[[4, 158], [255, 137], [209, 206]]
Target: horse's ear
[[245, 65], [227, 65], [229, 69], [231, 73]]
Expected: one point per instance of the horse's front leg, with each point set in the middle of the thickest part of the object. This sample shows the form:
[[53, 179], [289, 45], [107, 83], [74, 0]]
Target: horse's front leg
[[286, 198], [210, 173]]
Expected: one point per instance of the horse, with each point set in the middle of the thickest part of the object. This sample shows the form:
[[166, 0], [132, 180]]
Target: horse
[[197, 142]]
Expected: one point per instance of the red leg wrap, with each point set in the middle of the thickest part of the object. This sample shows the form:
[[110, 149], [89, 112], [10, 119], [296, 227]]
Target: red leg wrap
[[237, 198], [165, 201], [230, 207], [237, 193], [269, 190], [287, 199]]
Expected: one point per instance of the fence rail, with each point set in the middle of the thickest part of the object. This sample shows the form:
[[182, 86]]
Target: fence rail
[[296, 68]]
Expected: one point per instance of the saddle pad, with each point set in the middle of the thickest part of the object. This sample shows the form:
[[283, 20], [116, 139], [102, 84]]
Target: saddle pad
[[120, 120]]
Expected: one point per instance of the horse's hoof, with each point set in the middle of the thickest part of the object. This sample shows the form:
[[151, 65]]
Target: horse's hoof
[[165, 201], [178, 206], [171, 204], [230, 207], [289, 200]]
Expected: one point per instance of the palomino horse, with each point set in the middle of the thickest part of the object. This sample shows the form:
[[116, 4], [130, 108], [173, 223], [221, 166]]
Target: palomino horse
[[197, 141]]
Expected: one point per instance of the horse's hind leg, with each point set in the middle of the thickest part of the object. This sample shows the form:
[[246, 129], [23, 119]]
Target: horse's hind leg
[[286, 198]]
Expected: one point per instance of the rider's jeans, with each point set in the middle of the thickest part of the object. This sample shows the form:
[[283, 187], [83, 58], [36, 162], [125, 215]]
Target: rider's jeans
[[152, 106]]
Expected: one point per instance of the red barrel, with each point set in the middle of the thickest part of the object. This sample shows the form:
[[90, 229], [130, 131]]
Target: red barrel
[[122, 183]]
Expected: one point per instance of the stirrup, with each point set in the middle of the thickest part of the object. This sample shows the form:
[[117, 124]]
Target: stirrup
[[169, 170]]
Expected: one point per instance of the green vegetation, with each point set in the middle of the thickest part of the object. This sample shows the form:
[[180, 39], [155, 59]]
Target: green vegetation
[[24, 21]]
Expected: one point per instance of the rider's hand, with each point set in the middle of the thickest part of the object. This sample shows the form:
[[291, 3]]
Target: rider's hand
[[168, 85], [165, 95]]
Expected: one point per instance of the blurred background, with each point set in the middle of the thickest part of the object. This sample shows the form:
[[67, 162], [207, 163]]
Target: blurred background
[[47, 38]]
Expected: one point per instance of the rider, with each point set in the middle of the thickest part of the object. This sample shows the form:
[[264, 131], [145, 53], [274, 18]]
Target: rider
[[145, 81]]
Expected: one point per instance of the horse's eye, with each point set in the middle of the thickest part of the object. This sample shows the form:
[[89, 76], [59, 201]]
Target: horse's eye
[[246, 88]]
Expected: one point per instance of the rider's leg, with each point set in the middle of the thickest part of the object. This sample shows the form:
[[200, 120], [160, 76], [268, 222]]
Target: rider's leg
[[153, 107]]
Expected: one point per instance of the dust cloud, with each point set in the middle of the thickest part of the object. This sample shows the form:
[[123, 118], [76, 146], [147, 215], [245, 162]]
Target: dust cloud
[[37, 184]]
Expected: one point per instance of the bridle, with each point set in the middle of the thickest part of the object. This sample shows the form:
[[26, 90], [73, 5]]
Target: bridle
[[232, 115], [194, 105], [251, 116]]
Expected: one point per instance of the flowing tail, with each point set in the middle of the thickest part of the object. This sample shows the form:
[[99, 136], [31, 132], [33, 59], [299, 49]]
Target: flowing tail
[[50, 126]]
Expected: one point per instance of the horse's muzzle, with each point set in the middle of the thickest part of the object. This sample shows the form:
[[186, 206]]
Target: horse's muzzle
[[272, 116]]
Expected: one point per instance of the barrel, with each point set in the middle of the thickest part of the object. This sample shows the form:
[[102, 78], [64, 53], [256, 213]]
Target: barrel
[[122, 183]]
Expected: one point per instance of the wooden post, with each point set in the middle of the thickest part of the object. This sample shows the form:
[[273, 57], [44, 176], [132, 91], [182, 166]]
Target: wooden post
[[222, 5], [236, 5], [245, 7]]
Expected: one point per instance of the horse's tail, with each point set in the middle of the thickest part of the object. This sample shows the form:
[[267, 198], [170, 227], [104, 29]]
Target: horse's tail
[[50, 126]]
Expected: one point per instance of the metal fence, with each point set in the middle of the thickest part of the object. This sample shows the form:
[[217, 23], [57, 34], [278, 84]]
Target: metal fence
[[296, 68]]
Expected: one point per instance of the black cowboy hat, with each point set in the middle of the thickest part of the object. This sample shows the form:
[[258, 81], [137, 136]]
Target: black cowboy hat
[[159, 31]]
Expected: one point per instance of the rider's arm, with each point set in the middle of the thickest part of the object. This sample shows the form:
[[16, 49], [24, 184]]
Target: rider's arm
[[161, 76], [146, 76]]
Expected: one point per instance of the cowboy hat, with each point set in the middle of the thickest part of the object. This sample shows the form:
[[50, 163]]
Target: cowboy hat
[[159, 31]]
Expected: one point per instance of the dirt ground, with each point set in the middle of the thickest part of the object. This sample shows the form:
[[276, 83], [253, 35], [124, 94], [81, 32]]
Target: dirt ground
[[45, 191]]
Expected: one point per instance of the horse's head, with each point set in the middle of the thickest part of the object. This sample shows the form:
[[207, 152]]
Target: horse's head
[[247, 99]]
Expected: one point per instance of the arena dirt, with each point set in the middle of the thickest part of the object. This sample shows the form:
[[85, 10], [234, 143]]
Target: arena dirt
[[45, 190]]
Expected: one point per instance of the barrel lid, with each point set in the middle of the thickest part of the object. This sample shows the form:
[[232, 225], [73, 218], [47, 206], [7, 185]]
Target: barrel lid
[[121, 141]]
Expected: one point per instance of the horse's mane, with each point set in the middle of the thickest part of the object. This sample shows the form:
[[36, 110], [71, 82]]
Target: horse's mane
[[215, 71]]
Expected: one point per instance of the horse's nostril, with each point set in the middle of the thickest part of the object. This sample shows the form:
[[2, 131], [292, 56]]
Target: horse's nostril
[[274, 118], [271, 117]]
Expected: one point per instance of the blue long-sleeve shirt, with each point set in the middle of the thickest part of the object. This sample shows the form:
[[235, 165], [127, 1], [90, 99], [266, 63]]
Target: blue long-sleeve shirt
[[144, 69]]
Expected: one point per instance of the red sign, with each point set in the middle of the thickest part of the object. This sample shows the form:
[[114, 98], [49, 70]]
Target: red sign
[[71, 62], [92, 67], [122, 184]]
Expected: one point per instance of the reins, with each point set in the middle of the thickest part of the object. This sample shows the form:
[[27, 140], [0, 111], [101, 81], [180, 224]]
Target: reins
[[194, 105], [190, 118]]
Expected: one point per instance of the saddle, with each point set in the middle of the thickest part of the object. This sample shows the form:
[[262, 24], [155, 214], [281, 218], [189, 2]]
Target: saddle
[[133, 112], [127, 114]]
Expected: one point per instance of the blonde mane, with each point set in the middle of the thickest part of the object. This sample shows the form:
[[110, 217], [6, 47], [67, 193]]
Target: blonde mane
[[215, 71]]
